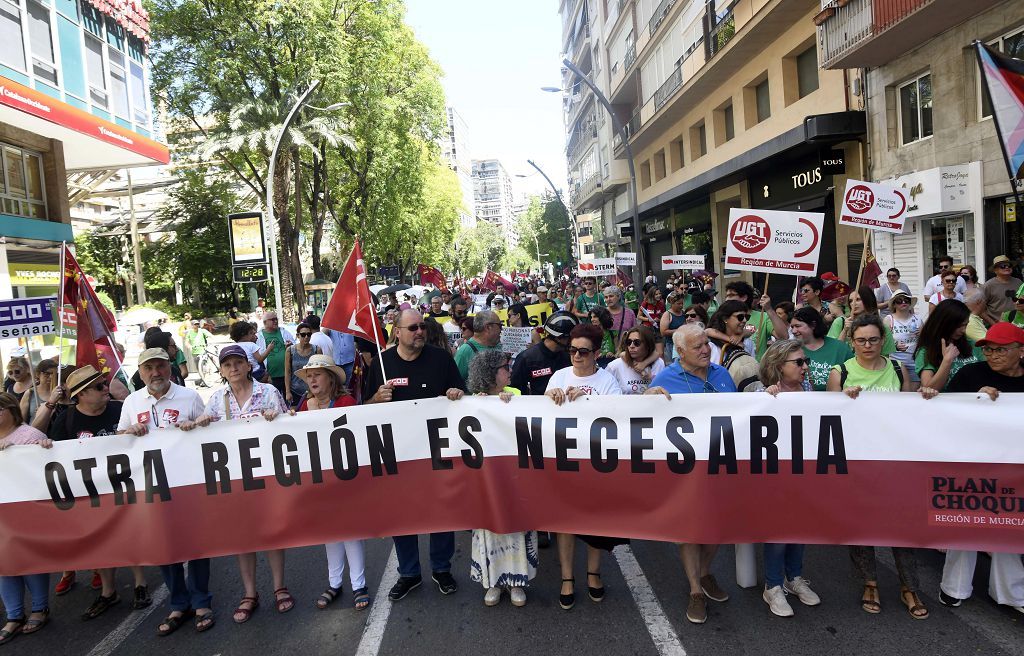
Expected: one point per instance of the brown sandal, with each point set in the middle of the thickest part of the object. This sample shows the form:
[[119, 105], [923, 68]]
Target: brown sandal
[[31, 625], [869, 599], [246, 613], [285, 603], [913, 603]]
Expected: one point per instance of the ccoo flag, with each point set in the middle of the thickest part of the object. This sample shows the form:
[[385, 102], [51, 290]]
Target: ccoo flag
[[96, 325], [351, 308], [432, 275], [1004, 80]]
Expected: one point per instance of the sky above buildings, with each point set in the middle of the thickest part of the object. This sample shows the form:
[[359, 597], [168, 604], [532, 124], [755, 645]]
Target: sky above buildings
[[496, 56]]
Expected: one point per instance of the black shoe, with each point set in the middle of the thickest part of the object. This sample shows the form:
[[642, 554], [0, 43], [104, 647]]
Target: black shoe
[[543, 539], [946, 600], [142, 598], [100, 606], [445, 582], [596, 594], [404, 586], [567, 601]]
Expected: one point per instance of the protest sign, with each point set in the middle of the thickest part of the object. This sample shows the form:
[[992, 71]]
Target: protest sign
[[25, 317], [697, 469], [599, 266], [625, 259], [872, 205], [774, 242], [675, 262], [515, 340]]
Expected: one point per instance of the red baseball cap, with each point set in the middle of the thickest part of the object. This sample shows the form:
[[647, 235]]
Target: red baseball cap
[[1003, 333]]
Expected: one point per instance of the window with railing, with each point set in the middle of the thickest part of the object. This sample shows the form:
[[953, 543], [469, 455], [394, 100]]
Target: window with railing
[[722, 32], [22, 190], [915, 109]]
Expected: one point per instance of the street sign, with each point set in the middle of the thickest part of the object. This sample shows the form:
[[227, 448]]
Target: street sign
[[675, 262], [774, 242], [388, 271], [626, 231], [873, 205], [257, 272], [625, 259], [24, 317]]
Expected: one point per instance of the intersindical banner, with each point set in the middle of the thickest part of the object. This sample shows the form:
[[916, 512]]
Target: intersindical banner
[[884, 469]]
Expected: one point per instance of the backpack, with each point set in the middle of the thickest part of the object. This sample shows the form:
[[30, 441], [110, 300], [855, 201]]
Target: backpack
[[843, 373]]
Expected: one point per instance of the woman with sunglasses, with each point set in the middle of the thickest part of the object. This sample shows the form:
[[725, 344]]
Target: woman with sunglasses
[[948, 291], [869, 371], [582, 378], [19, 377], [673, 318], [14, 431], [1016, 315], [731, 320], [295, 358], [631, 368], [785, 368], [884, 294], [500, 561], [905, 327], [943, 347]]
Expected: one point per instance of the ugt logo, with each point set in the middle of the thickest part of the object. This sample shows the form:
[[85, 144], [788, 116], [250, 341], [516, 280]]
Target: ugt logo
[[860, 199], [750, 234]]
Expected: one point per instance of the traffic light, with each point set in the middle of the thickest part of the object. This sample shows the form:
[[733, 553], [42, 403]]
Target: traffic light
[[559, 263]]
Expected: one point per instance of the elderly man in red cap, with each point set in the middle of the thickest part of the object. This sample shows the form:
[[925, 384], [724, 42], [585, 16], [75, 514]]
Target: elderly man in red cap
[[1002, 371]]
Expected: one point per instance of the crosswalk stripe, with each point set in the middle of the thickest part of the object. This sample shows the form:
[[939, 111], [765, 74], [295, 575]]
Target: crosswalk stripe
[[664, 636]]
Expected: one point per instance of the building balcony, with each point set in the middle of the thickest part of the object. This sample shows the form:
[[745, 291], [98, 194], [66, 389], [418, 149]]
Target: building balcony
[[580, 143], [587, 195], [866, 33], [659, 15]]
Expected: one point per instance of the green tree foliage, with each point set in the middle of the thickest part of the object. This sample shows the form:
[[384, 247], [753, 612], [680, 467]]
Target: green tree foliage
[[106, 259], [478, 249]]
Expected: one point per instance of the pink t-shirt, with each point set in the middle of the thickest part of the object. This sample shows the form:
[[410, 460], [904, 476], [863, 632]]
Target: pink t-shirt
[[24, 434]]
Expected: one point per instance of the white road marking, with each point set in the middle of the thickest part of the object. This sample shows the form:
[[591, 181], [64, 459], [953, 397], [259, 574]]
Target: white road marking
[[130, 623], [377, 622], [664, 636]]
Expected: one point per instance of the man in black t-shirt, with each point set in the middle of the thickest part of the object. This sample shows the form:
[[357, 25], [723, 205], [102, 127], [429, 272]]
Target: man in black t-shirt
[[535, 365], [417, 371]]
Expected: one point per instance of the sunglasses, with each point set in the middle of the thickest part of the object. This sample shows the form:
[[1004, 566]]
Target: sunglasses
[[99, 387], [902, 301], [949, 281], [416, 327], [1018, 300], [305, 334], [692, 315], [634, 342], [800, 361], [1004, 265], [944, 266], [583, 352], [741, 317]]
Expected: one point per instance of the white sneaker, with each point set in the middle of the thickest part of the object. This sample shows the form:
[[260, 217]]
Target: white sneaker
[[776, 600], [518, 596], [801, 587], [492, 596], [1019, 609]]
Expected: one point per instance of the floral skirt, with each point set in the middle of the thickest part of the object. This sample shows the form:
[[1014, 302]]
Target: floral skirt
[[506, 560]]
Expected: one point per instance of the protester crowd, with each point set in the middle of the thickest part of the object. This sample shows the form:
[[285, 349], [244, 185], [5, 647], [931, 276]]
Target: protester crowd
[[597, 338]]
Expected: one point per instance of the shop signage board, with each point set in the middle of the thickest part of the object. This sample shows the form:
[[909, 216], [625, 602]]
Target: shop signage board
[[625, 259], [677, 262], [25, 317], [601, 266], [875, 206], [774, 242]]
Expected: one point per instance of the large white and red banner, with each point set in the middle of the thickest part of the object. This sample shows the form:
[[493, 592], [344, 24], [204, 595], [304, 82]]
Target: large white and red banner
[[770, 241], [884, 469]]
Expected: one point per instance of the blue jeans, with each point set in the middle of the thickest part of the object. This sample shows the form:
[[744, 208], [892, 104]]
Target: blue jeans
[[12, 591], [193, 592], [407, 547], [782, 559]]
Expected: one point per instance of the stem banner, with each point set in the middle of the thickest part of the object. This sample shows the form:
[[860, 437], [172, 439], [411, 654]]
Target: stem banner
[[719, 468]]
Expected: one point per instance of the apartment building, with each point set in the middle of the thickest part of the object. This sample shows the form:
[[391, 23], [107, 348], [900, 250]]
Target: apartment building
[[456, 152], [493, 197], [725, 106], [930, 124]]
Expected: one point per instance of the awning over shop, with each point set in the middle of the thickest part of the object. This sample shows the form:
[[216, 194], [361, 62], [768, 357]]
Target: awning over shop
[[90, 142]]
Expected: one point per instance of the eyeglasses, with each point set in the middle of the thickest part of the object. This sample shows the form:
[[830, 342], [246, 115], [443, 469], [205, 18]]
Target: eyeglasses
[[997, 350], [305, 334], [864, 341], [1018, 300], [741, 317], [583, 352], [800, 361], [415, 327], [806, 290], [634, 342], [944, 266], [692, 315]]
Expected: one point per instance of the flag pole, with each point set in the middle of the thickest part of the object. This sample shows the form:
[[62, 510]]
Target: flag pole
[[863, 258], [120, 364], [31, 370], [60, 313]]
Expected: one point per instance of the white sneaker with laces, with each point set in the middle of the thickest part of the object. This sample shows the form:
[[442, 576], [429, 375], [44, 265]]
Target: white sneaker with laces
[[776, 600], [492, 596], [801, 587], [518, 596]]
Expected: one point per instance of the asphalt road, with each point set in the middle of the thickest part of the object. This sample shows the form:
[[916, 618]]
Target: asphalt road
[[642, 615]]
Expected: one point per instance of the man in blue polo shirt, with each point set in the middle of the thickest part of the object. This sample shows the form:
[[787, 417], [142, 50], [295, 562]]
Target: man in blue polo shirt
[[694, 373]]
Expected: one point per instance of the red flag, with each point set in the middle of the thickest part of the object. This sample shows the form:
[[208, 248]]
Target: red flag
[[871, 271], [351, 308], [96, 325], [622, 278], [492, 281], [432, 275], [833, 287]]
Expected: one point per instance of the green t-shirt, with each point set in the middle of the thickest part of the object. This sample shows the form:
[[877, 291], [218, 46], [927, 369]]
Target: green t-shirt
[[921, 365], [587, 303], [831, 353], [275, 361], [888, 343], [870, 380], [632, 301], [465, 354], [1014, 317], [763, 330]]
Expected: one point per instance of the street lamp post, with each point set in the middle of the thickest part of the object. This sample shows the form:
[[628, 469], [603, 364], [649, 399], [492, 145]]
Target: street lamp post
[[568, 212], [617, 125]]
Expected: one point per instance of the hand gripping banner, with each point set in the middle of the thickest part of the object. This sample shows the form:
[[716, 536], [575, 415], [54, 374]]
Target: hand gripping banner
[[884, 469]]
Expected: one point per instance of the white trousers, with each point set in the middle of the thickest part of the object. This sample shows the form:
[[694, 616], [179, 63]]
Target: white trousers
[[337, 552], [1005, 579]]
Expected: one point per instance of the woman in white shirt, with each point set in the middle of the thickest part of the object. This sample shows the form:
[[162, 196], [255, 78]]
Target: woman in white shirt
[[948, 291], [636, 347], [583, 378]]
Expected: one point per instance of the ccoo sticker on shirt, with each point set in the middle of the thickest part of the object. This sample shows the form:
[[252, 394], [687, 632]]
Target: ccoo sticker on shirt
[[537, 373], [169, 416], [399, 382]]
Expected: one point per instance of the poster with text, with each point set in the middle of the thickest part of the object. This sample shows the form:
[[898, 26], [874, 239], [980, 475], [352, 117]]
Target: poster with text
[[872, 205], [600, 266], [774, 242], [677, 262]]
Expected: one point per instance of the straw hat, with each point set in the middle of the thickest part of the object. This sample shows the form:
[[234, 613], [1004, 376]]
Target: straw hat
[[898, 294], [320, 361], [82, 378]]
